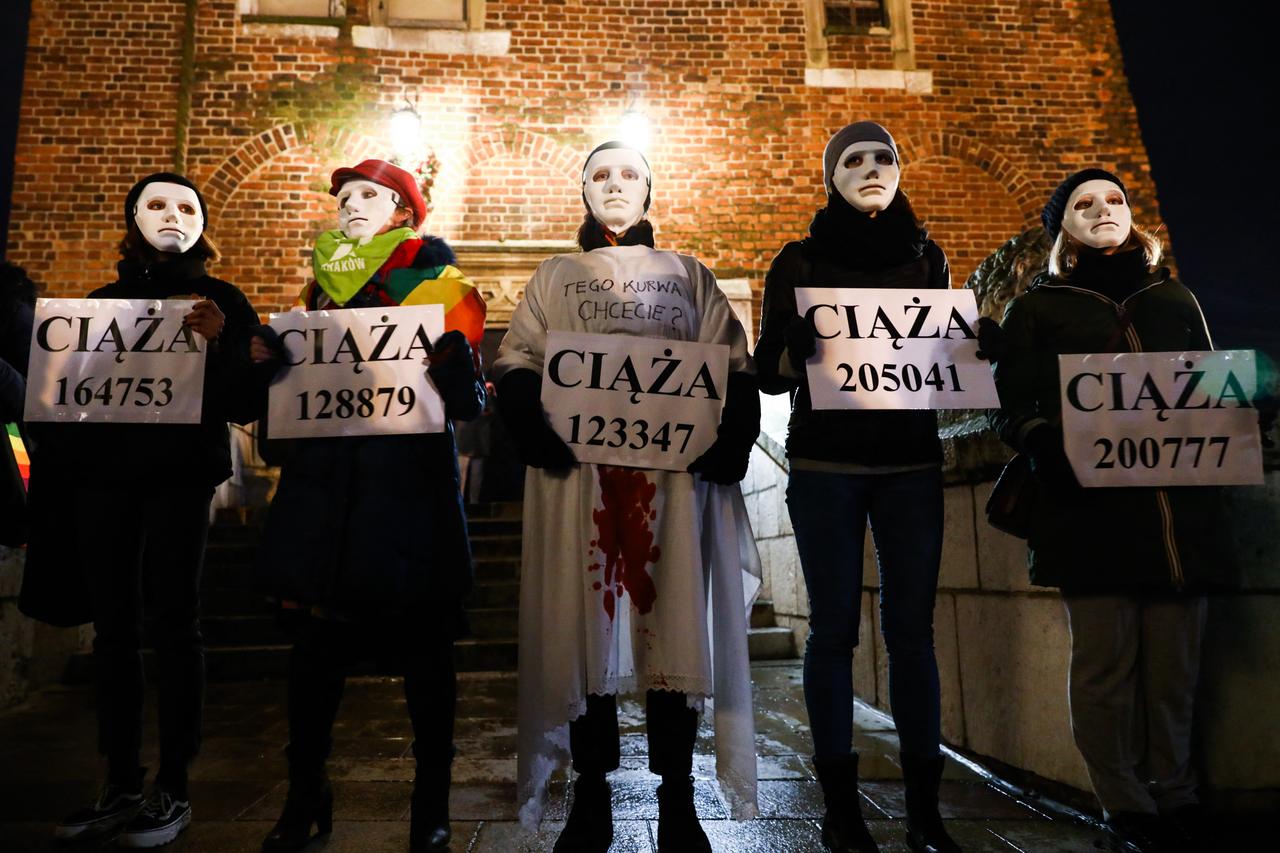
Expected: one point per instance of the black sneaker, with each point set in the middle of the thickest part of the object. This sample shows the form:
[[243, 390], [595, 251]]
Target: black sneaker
[[160, 820], [114, 807]]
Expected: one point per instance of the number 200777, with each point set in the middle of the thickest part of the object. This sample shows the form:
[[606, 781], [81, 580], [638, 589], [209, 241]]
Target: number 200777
[[613, 433], [1148, 452]]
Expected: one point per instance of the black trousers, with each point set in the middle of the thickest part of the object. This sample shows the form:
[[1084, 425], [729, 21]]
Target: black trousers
[[672, 727], [143, 554], [323, 652]]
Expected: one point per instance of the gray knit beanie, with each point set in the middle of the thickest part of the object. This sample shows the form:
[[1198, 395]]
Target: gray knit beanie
[[859, 131]]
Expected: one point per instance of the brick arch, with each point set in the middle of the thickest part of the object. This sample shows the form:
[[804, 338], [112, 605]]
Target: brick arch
[[261, 149], [976, 153], [525, 144]]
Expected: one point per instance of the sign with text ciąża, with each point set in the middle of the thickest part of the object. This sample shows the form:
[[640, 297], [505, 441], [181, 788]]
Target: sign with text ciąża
[[115, 360], [627, 400], [356, 371], [891, 348], [1161, 418]]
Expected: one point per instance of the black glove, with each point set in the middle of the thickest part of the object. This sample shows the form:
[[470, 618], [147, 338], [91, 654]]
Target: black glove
[[1049, 461], [725, 461], [519, 398], [990, 340], [801, 342], [451, 365]]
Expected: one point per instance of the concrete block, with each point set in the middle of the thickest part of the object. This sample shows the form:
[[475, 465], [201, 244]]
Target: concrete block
[[1240, 742], [959, 548], [15, 654], [881, 78], [784, 514], [1251, 515], [870, 566], [784, 573], [948, 654], [864, 657], [918, 82], [1014, 653], [882, 656], [1002, 559], [11, 563], [765, 523]]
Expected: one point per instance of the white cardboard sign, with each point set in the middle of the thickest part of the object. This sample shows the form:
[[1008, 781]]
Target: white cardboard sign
[[627, 400], [356, 371], [115, 360], [1161, 418], [891, 348]]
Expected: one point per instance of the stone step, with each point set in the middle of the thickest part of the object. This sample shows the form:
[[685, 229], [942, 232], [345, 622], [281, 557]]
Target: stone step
[[504, 568], [497, 593], [762, 614], [499, 545], [771, 644], [253, 630], [253, 663], [509, 510], [494, 526], [493, 622]]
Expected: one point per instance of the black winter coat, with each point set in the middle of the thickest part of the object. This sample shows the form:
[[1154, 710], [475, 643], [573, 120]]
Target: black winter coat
[[157, 455], [873, 438], [1105, 539], [374, 526]]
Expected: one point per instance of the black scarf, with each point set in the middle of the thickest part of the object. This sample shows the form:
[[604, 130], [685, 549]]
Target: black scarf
[[1117, 276], [173, 273], [859, 241]]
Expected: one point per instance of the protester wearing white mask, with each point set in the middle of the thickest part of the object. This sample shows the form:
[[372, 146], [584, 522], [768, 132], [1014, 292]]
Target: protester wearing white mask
[[132, 515], [1132, 564], [577, 655], [848, 467]]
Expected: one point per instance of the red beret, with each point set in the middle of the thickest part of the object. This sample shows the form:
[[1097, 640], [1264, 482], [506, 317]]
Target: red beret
[[388, 175]]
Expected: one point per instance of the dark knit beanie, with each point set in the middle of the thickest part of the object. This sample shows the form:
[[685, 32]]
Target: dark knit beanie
[[1053, 212], [605, 146], [131, 200], [859, 131]]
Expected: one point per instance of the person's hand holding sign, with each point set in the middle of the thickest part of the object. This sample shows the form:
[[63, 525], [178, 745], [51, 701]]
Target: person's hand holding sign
[[801, 342], [205, 317]]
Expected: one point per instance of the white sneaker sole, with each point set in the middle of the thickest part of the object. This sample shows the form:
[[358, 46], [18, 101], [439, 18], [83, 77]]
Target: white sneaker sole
[[154, 837], [74, 832]]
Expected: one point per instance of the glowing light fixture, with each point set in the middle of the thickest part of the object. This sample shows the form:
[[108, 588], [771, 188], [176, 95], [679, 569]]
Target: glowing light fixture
[[406, 134], [634, 129]]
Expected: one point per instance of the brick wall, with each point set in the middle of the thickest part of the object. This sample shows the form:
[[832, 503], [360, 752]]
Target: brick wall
[[1022, 93]]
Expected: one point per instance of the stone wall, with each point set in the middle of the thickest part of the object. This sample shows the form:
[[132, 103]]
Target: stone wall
[[31, 654], [1003, 645]]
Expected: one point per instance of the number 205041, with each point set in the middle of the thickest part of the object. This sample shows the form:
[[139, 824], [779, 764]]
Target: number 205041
[[891, 377], [1151, 453], [352, 403], [616, 432]]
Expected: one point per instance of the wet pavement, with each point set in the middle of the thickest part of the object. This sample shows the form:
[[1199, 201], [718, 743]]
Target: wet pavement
[[48, 766]]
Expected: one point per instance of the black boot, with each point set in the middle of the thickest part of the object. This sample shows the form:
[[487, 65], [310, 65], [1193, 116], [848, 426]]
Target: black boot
[[310, 800], [678, 827], [843, 829], [589, 828], [925, 831], [429, 812], [1135, 832]]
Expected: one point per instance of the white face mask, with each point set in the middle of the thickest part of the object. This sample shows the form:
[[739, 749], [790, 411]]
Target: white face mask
[[867, 175], [1097, 215], [616, 183], [168, 215], [365, 208]]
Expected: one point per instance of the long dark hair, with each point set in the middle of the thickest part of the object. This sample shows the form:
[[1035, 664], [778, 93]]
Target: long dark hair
[[135, 248], [591, 234]]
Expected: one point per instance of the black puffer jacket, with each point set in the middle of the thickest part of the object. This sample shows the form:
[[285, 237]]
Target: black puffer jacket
[[160, 455], [1099, 539], [373, 526], [846, 248]]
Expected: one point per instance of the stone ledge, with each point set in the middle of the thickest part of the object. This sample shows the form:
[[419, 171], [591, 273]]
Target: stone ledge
[[421, 40], [319, 32], [913, 82]]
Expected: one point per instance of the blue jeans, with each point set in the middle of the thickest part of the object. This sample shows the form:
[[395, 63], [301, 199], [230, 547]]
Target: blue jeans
[[829, 513]]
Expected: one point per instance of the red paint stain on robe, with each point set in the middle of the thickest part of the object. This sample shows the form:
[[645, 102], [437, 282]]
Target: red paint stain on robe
[[624, 538]]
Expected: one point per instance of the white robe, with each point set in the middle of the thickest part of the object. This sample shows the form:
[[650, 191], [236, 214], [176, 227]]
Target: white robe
[[687, 631]]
